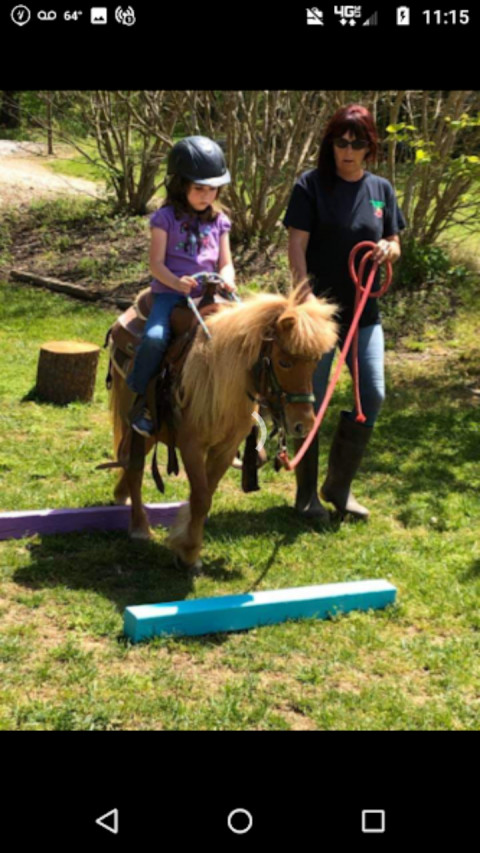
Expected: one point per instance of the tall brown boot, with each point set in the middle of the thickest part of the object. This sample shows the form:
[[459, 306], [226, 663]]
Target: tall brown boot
[[307, 503], [346, 452]]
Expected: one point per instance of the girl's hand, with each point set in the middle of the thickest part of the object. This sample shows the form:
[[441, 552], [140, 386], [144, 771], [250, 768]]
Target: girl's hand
[[185, 284], [382, 251], [229, 286]]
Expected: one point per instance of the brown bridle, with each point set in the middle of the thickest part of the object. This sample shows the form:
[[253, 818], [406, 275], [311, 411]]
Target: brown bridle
[[267, 387]]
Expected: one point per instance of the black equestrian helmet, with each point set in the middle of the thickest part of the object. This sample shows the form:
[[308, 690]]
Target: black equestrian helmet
[[200, 160]]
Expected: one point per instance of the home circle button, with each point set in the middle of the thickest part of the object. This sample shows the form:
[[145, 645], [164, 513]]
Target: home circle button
[[240, 821]]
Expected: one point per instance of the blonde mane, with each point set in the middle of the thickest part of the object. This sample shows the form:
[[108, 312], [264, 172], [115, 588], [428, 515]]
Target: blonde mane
[[215, 374]]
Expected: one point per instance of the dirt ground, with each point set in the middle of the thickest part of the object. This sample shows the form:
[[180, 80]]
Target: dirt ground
[[106, 257], [24, 175]]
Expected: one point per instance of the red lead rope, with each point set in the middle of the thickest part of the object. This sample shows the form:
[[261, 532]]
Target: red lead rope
[[361, 295]]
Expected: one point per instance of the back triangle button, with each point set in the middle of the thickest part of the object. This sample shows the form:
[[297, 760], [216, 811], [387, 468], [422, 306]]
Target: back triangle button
[[109, 821]]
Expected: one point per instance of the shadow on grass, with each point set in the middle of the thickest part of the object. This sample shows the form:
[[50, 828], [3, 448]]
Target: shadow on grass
[[472, 573], [128, 572], [32, 397], [441, 440], [238, 524], [281, 524], [124, 571]]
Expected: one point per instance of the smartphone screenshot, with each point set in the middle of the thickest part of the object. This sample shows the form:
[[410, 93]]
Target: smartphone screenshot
[[239, 425]]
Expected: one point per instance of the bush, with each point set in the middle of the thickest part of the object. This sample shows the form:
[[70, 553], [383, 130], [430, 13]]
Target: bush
[[421, 266], [427, 290]]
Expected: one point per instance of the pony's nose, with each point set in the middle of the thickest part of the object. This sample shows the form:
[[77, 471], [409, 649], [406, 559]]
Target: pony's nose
[[299, 429]]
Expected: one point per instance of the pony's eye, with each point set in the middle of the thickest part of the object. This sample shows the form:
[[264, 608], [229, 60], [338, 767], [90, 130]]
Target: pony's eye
[[285, 364]]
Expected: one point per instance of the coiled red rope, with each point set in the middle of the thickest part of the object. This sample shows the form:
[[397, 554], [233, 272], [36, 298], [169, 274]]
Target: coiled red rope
[[362, 293]]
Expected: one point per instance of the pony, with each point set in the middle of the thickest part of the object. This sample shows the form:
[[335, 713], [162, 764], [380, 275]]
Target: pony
[[262, 351]]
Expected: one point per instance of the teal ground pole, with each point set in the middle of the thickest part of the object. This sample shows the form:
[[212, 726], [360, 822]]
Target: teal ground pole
[[238, 612]]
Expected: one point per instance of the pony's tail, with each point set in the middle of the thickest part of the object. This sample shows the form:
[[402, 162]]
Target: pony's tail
[[118, 404]]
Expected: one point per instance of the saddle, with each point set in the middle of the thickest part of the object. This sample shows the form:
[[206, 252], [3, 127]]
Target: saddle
[[126, 333]]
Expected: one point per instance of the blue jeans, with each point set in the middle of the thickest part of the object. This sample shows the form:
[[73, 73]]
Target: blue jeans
[[370, 369], [154, 342]]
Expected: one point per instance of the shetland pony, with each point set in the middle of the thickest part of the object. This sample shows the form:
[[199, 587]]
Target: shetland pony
[[263, 350]]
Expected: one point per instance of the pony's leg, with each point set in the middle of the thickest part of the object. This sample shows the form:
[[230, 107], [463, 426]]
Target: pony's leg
[[139, 525], [218, 462], [186, 534], [120, 402], [121, 492]]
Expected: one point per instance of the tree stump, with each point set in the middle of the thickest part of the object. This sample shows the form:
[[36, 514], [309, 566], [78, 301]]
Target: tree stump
[[67, 371]]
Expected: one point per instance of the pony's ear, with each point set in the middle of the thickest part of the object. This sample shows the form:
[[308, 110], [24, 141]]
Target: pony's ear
[[286, 323], [302, 292]]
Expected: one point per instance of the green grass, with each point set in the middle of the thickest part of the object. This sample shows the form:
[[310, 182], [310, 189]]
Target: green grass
[[64, 663], [77, 167]]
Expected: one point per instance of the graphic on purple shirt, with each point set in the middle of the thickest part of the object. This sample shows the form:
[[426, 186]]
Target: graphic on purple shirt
[[192, 246]]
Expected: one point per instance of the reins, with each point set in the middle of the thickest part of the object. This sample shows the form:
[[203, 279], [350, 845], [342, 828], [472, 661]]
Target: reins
[[362, 293]]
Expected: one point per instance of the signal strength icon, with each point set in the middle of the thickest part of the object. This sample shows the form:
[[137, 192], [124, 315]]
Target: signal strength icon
[[372, 21]]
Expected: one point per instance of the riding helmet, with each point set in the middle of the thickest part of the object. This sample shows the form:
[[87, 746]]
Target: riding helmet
[[200, 160]]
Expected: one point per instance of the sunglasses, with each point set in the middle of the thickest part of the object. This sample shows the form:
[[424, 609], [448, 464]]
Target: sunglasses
[[357, 144]]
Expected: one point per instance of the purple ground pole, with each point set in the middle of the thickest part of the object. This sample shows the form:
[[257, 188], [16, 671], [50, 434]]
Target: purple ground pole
[[16, 525]]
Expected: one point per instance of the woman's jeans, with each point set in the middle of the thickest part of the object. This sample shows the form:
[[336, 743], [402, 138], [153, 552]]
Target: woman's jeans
[[155, 340], [370, 369]]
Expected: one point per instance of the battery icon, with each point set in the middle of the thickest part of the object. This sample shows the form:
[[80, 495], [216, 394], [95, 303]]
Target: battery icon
[[403, 16]]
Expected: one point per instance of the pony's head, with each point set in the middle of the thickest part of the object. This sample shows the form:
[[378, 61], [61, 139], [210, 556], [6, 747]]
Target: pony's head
[[303, 332], [263, 349]]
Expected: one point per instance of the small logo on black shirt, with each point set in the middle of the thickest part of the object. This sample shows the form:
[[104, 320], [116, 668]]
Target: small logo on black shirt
[[378, 208]]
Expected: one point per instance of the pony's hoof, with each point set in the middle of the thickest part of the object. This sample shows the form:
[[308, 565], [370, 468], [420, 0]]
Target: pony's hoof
[[195, 567], [144, 535], [122, 501]]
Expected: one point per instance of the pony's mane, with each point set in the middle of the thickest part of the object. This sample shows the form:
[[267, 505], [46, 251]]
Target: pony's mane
[[214, 375]]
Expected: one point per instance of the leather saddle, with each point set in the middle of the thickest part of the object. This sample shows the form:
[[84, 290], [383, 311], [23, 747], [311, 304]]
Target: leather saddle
[[126, 333]]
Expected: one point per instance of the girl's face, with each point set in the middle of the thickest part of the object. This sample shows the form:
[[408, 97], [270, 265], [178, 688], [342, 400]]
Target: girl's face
[[200, 196]]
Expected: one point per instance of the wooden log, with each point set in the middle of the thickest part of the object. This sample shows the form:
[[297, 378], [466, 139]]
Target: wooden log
[[77, 290], [237, 612], [17, 525], [67, 371]]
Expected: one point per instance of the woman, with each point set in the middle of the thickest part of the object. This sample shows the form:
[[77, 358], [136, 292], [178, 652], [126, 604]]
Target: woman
[[331, 209]]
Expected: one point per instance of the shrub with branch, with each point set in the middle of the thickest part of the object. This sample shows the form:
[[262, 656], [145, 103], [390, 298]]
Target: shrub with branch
[[442, 185], [133, 132]]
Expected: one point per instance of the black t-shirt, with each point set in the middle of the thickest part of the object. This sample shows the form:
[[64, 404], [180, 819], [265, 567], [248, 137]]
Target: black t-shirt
[[337, 220]]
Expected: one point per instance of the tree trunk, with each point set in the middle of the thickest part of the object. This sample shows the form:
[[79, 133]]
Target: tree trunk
[[49, 127], [10, 110], [67, 371]]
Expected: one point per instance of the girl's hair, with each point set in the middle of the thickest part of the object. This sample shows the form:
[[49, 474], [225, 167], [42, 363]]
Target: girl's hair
[[177, 189], [356, 119]]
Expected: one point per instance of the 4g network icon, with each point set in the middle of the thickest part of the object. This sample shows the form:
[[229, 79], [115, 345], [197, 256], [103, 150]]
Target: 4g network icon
[[348, 15]]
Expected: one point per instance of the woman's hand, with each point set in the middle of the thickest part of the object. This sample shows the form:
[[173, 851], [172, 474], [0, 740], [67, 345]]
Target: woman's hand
[[381, 252], [386, 250]]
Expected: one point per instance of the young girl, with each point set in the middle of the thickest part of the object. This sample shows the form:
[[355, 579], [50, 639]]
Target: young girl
[[190, 234]]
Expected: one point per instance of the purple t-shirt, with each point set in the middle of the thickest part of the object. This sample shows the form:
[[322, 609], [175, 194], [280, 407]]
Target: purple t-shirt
[[192, 246]]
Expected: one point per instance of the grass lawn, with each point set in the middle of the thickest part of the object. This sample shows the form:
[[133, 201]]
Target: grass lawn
[[64, 663]]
